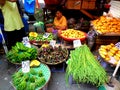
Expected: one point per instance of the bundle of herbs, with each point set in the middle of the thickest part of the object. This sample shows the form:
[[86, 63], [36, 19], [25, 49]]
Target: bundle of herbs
[[32, 80], [84, 68]]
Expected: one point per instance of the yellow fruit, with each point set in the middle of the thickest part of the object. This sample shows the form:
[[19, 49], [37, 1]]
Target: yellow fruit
[[34, 63], [33, 34], [110, 54], [102, 55], [116, 58], [107, 59], [45, 45], [115, 49]]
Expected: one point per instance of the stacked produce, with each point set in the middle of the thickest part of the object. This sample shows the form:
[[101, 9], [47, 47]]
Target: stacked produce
[[20, 53], [28, 81], [83, 67], [108, 51], [52, 55], [72, 34], [35, 37], [106, 24]]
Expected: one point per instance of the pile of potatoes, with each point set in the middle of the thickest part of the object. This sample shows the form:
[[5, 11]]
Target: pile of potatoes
[[106, 24], [107, 51]]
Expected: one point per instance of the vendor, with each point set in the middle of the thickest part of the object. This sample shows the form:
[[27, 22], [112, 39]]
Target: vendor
[[13, 25], [59, 23]]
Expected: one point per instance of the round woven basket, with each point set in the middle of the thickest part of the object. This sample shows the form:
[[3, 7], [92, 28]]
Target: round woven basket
[[54, 63]]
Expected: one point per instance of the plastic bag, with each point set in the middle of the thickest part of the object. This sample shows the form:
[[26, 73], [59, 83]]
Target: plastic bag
[[29, 6]]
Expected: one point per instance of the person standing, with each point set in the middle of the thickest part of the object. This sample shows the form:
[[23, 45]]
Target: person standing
[[13, 25]]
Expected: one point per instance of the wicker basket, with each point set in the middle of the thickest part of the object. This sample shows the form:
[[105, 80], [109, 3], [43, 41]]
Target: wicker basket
[[54, 63]]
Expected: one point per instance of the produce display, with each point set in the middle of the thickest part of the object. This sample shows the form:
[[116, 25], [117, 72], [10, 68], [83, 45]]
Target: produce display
[[20, 53], [84, 68], [71, 34], [35, 79], [39, 38], [106, 24], [110, 53], [51, 56]]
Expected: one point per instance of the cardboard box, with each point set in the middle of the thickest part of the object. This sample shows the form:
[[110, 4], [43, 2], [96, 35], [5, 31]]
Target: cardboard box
[[73, 4]]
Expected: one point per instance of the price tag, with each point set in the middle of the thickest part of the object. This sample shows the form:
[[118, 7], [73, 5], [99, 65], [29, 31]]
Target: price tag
[[53, 43], [112, 60], [46, 35], [25, 39], [76, 43], [25, 66]]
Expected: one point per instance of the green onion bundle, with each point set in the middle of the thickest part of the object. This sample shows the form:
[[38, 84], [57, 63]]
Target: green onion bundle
[[84, 67]]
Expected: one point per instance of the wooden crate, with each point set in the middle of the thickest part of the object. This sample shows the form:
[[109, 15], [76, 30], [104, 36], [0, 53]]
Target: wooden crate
[[71, 4], [88, 4], [80, 4], [105, 40]]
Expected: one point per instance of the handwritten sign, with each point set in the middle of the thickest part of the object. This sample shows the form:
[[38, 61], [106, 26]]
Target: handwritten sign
[[46, 35], [76, 43], [25, 66], [53, 43], [25, 41]]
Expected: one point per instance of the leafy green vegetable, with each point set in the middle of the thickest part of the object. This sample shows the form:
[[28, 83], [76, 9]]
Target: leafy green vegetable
[[31, 86], [20, 53], [41, 81], [32, 71], [41, 38], [85, 68], [22, 85], [40, 73], [28, 81]]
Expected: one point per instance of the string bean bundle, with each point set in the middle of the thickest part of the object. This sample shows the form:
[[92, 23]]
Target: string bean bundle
[[84, 67]]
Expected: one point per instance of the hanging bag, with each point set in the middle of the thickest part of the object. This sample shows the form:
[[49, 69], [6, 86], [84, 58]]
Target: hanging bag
[[29, 6]]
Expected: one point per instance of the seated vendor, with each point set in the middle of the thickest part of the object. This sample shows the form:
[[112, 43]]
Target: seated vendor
[[59, 23]]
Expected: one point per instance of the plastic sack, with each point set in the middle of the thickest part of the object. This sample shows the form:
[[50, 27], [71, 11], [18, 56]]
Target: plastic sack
[[29, 6]]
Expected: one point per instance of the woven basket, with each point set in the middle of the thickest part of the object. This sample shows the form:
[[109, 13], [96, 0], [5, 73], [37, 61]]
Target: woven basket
[[54, 63]]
